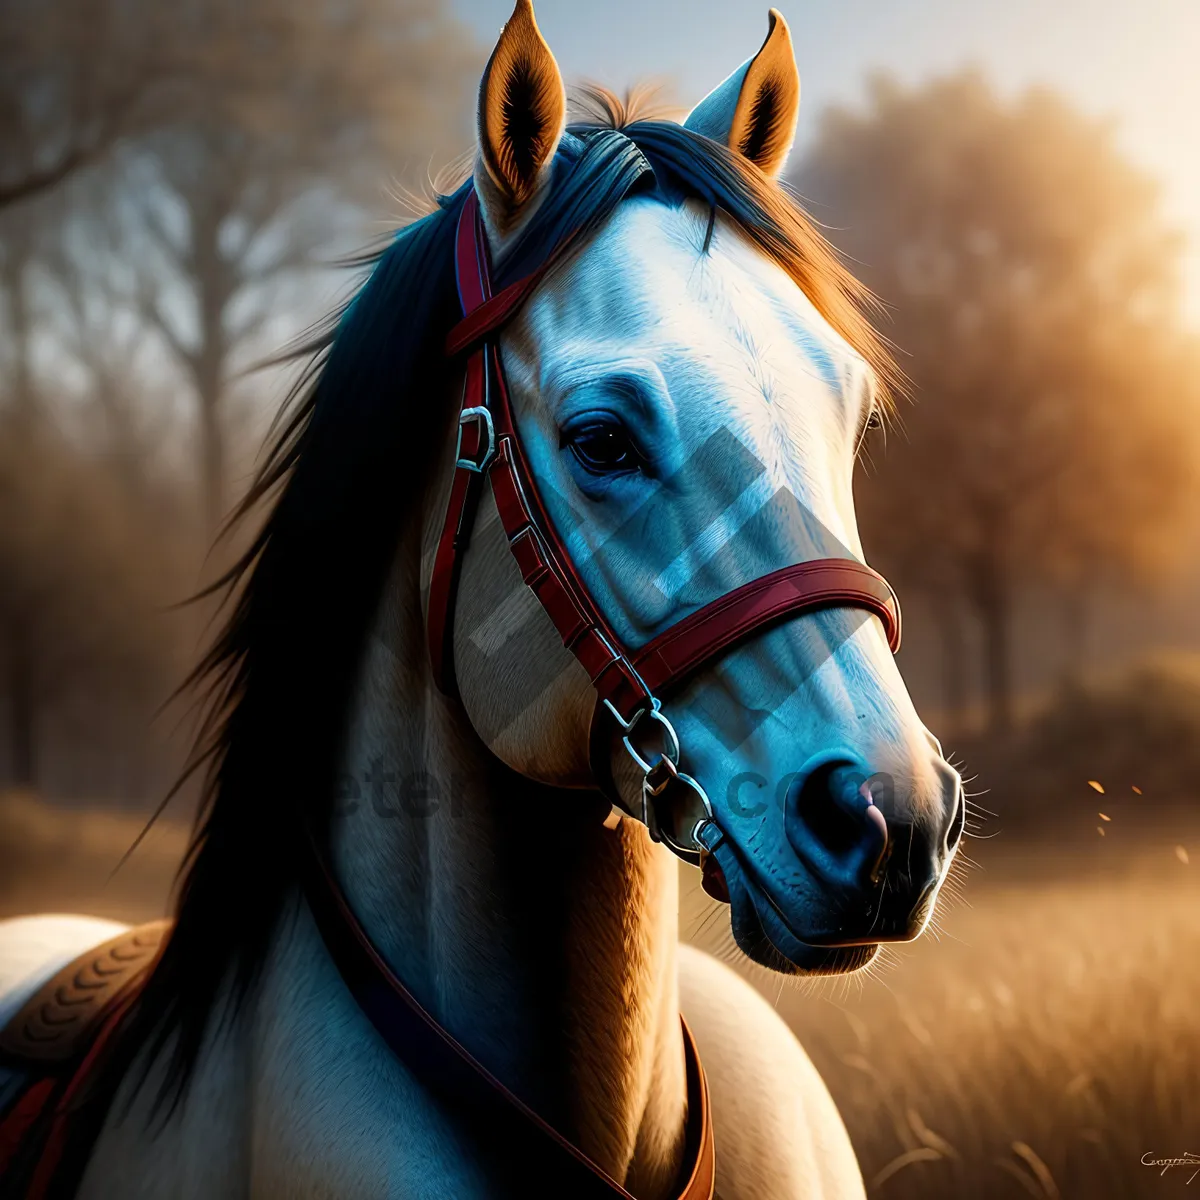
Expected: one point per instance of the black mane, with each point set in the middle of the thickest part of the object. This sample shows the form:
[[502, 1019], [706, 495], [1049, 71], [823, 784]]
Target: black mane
[[348, 464]]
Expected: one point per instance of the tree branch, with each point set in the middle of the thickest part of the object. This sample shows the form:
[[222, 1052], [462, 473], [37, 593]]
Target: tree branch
[[38, 181], [152, 312]]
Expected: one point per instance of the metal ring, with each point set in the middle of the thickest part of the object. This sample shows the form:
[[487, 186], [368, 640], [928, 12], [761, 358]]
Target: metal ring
[[671, 750], [690, 854], [709, 815]]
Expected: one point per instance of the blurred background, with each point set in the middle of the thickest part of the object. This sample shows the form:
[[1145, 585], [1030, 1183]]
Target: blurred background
[[1020, 185]]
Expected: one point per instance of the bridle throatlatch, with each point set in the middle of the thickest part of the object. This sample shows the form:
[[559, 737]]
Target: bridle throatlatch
[[628, 682]]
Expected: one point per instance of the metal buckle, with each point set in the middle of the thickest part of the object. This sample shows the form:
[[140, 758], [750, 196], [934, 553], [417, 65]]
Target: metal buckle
[[476, 414]]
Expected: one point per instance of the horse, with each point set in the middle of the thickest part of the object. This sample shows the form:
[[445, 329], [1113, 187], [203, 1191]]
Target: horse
[[689, 371]]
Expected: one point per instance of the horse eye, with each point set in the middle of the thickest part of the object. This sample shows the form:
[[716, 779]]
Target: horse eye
[[874, 421], [604, 449]]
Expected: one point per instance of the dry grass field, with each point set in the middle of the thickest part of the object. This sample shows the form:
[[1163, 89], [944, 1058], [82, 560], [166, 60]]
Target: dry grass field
[[1041, 1044]]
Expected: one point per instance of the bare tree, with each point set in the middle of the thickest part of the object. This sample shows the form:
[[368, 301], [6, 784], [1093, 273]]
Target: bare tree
[[75, 76], [309, 104], [1035, 291], [92, 318], [79, 76], [167, 172], [231, 116], [21, 235]]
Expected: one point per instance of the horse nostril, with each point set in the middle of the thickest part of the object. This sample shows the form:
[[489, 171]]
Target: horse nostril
[[834, 825]]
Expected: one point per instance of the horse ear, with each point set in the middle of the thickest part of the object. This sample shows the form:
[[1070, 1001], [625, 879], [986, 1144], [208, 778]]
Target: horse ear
[[522, 105], [754, 111]]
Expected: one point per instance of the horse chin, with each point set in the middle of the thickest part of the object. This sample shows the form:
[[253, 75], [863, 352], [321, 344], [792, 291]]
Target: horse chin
[[764, 937]]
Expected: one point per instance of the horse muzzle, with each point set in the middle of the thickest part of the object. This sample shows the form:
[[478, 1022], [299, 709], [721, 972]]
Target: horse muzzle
[[869, 875]]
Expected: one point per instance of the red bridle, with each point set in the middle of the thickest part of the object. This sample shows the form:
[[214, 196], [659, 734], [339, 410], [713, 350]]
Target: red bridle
[[628, 682]]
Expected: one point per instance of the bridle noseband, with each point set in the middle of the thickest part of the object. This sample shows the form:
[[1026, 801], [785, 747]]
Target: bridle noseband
[[628, 682]]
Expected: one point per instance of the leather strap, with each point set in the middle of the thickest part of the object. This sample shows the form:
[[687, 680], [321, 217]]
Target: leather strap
[[804, 587], [553, 1164], [491, 314], [627, 680], [545, 565]]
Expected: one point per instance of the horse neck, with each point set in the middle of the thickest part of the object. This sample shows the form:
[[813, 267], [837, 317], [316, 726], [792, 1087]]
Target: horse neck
[[541, 940]]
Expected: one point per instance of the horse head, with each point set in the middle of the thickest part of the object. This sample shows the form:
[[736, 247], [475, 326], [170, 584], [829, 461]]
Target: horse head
[[691, 385]]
